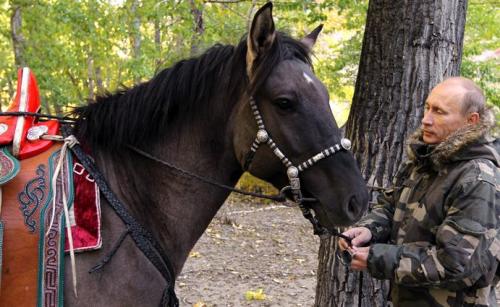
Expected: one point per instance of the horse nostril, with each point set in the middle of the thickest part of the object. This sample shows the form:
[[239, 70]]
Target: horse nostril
[[353, 207]]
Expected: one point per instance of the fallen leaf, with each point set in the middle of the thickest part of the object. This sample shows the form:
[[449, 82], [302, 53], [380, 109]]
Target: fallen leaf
[[194, 255], [255, 295]]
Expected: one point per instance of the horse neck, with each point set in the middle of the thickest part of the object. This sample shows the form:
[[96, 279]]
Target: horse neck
[[175, 208]]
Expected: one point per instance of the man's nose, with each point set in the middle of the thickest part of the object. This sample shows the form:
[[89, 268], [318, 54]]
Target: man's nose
[[427, 119]]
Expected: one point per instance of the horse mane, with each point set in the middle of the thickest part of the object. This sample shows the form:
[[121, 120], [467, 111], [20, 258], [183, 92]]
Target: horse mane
[[182, 92]]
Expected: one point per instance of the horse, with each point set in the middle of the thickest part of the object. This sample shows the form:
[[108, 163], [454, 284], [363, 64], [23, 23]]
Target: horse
[[255, 106]]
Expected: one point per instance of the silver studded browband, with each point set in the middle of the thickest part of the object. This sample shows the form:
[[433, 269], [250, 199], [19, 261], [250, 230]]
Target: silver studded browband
[[292, 171]]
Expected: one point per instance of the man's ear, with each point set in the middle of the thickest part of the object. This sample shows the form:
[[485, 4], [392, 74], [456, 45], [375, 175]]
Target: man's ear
[[261, 36], [310, 39], [473, 118]]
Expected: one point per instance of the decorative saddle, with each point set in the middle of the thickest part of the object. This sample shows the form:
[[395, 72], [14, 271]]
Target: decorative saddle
[[23, 132], [33, 238]]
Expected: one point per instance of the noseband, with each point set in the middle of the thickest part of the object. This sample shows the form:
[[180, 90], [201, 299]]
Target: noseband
[[292, 171]]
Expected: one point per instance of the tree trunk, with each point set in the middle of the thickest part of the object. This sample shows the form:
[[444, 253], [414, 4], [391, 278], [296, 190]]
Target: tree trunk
[[251, 11], [198, 27], [98, 81], [17, 37], [408, 47], [157, 28], [135, 35], [90, 78]]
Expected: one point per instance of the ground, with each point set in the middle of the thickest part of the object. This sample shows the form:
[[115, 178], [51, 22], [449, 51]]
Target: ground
[[252, 254]]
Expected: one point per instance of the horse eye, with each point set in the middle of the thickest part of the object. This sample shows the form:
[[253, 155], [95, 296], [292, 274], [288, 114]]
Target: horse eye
[[283, 103]]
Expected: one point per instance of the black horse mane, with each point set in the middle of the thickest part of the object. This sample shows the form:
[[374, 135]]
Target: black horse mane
[[182, 92]]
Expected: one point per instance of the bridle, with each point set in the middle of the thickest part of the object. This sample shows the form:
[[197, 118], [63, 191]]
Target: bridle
[[141, 236], [292, 171]]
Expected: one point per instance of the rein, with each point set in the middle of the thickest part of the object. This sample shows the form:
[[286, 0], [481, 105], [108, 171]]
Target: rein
[[318, 229], [277, 197], [61, 119]]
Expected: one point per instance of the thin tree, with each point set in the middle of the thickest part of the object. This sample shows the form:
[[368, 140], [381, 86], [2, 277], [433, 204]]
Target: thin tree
[[18, 40], [198, 28], [408, 47]]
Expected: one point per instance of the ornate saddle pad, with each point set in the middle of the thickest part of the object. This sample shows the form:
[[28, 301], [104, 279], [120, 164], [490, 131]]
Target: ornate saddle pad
[[9, 166], [34, 227]]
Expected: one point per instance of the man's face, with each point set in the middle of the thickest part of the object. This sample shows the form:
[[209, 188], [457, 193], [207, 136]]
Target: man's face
[[443, 113]]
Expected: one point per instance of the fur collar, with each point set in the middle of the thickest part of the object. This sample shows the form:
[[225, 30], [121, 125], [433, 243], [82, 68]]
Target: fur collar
[[447, 150]]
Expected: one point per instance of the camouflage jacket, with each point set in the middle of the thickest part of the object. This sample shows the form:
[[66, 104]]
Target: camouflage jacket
[[436, 232]]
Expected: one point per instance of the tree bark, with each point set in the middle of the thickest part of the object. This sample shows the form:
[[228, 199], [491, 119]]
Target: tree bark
[[157, 28], [99, 81], [408, 47], [250, 13], [199, 28], [17, 36], [135, 35], [90, 78]]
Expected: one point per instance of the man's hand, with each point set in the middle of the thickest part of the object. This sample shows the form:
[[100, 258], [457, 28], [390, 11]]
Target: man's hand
[[359, 235], [359, 258]]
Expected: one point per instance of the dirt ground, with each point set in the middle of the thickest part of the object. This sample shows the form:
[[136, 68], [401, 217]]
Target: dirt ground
[[252, 254]]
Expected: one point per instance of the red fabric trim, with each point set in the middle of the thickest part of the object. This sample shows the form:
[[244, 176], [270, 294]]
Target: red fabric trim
[[86, 210]]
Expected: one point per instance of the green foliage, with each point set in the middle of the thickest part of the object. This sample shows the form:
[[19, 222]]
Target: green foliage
[[482, 33], [73, 44]]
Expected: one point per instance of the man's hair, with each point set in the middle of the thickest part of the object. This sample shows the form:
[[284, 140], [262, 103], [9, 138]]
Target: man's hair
[[473, 100]]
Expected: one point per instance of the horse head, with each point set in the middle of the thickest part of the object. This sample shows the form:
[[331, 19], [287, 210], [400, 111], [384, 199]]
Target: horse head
[[286, 98]]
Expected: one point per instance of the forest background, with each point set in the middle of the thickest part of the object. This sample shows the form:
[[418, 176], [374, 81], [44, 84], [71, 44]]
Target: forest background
[[80, 49]]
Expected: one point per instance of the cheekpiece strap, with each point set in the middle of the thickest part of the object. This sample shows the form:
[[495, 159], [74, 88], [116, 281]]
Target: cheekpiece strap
[[263, 137]]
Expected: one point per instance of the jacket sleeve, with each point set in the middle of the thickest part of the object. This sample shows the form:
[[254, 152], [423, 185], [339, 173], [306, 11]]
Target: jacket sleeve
[[379, 220], [465, 250]]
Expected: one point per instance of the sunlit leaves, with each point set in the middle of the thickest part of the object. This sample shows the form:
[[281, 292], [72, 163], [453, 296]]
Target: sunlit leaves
[[482, 32], [71, 45]]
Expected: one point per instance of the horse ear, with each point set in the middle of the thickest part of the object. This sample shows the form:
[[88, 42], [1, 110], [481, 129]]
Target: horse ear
[[310, 39], [261, 36]]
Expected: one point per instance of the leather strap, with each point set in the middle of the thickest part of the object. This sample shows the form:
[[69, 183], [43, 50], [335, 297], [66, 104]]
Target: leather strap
[[141, 236]]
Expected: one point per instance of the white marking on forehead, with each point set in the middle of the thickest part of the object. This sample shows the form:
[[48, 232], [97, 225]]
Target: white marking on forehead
[[308, 79]]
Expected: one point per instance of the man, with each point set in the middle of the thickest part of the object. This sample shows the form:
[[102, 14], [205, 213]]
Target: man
[[434, 235]]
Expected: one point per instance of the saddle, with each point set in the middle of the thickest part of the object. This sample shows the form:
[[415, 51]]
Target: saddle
[[23, 132], [33, 238]]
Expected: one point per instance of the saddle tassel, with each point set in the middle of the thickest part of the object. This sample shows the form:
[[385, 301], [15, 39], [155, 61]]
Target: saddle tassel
[[62, 155]]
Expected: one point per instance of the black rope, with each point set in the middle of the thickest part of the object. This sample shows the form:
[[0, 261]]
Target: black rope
[[110, 255], [278, 198], [306, 211], [142, 238], [61, 119], [248, 160]]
